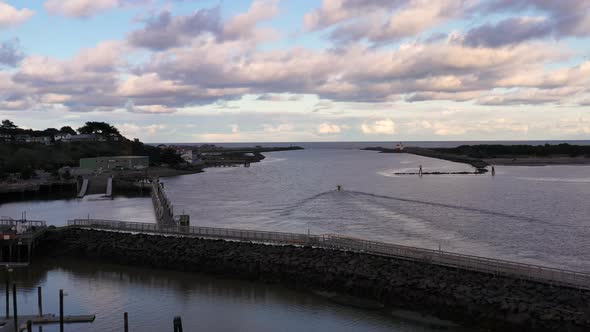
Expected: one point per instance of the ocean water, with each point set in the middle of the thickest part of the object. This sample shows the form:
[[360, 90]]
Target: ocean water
[[536, 215]]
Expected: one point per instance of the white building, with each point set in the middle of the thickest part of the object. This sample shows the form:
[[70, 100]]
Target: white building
[[62, 137], [42, 140], [192, 157]]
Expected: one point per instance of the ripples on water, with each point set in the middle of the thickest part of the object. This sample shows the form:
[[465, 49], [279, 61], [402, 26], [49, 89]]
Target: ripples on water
[[531, 214], [537, 215]]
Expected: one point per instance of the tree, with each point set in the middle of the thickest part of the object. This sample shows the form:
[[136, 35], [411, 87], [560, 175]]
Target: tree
[[98, 128], [49, 132], [7, 124], [170, 157], [67, 130]]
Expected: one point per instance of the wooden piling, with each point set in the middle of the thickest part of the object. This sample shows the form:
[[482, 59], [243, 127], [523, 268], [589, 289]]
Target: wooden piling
[[7, 298], [29, 326], [61, 310], [40, 301], [177, 324], [125, 322], [14, 309]]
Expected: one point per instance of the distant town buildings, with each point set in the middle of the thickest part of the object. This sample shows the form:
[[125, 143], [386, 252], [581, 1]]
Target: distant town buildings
[[62, 137], [192, 157], [5, 138], [59, 137], [115, 163]]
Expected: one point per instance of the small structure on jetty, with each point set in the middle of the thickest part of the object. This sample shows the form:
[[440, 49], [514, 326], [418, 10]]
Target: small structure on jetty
[[17, 240]]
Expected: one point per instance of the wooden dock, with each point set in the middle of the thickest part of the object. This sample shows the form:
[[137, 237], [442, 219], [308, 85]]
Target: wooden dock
[[7, 325]]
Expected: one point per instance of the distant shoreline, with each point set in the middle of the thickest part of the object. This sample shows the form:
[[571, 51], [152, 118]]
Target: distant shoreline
[[540, 161], [483, 156]]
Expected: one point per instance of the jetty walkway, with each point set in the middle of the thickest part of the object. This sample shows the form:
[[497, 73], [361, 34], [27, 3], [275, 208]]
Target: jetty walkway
[[162, 206], [542, 274]]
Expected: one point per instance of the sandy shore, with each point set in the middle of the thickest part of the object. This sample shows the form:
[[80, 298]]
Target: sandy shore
[[538, 161]]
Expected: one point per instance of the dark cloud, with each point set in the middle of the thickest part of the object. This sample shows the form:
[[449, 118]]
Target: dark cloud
[[508, 31], [564, 18], [11, 53], [164, 31]]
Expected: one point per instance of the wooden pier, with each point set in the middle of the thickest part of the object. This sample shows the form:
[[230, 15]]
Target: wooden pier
[[17, 240], [7, 325], [162, 206]]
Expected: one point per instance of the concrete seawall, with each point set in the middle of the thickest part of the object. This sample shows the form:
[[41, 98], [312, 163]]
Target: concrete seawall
[[471, 298]]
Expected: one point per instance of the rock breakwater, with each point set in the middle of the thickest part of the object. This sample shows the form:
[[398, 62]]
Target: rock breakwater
[[470, 298]]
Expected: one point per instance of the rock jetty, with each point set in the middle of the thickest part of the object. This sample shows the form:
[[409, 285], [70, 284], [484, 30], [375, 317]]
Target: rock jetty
[[469, 298]]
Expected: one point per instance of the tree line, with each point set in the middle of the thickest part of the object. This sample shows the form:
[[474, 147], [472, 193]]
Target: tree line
[[23, 159], [91, 127], [485, 151]]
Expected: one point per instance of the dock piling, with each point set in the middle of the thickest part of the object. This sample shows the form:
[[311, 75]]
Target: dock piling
[[15, 309], [61, 310], [126, 322], [7, 298], [177, 324], [29, 326], [40, 301]]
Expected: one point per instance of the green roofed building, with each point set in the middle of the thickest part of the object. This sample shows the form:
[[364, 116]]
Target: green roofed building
[[119, 162]]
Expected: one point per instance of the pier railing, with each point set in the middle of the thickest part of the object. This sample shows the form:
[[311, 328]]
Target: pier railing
[[162, 206], [466, 262]]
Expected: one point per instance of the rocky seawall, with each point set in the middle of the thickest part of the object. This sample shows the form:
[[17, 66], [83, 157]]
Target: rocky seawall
[[470, 298], [479, 164]]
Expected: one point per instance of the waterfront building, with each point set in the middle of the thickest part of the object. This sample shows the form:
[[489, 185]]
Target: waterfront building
[[192, 157], [42, 140], [62, 137], [118, 162], [22, 138], [86, 138]]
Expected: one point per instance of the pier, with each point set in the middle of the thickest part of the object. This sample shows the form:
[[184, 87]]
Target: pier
[[162, 206], [17, 322], [18, 239]]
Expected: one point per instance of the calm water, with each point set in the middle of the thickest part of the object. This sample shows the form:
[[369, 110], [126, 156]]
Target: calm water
[[530, 214], [538, 215], [153, 297]]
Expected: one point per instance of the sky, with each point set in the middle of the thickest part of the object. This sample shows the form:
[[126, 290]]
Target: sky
[[290, 70]]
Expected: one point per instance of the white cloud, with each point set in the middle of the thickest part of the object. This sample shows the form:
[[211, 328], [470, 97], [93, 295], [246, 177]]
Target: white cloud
[[133, 130], [235, 128], [283, 127], [10, 16], [330, 128], [242, 25], [80, 8], [379, 127]]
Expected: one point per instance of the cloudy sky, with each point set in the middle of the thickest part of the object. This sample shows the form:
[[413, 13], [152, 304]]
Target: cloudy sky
[[291, 70]]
